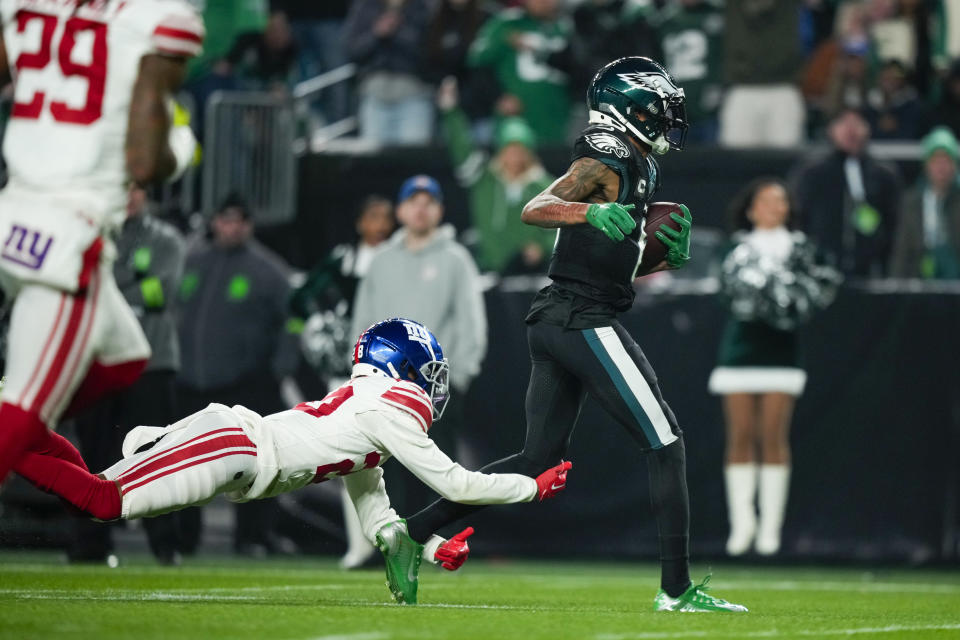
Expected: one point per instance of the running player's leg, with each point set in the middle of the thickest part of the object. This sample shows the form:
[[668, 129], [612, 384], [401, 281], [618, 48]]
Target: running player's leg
[[44, 325], [117, 351], [55, 445], [53, 339], [189, 466], [94, 496], [553, 401], [623, 382]]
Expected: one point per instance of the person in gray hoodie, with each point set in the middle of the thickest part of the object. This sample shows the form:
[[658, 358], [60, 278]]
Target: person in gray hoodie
[[426, 275]]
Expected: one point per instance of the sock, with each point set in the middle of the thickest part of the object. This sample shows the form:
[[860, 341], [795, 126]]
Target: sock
[[54, 444], [97, 497], [741, 486], [774, 487], [19, 430], [671, 508], [428, 521]]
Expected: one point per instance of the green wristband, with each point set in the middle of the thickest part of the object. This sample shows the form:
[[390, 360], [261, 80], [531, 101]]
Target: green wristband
[[152, 290]]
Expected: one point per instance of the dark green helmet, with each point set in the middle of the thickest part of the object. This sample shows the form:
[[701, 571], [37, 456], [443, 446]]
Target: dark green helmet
[[638, 94]]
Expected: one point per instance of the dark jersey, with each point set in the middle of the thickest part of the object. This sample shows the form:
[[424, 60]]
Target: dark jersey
[[585, 262]]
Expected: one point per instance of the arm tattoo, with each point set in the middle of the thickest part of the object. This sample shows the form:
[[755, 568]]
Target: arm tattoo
[[584, 178], [565, 202]]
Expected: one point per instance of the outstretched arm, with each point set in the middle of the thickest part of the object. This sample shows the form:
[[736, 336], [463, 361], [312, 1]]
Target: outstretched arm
[[148, 153], [565, 202], [410, 445]]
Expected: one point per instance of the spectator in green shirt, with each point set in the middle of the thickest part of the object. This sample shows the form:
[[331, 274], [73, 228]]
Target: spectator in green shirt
[[518, 45], [225, 20], [499, 188], [691, 36]]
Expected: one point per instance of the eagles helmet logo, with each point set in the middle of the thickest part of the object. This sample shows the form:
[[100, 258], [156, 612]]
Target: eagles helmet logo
[[608, 143], [643, 80]]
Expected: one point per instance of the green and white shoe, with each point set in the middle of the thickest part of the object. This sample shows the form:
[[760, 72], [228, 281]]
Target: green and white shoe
[[695, 598], [402, 555]]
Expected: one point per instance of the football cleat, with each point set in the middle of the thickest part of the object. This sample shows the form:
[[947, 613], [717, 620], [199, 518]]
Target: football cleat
[[402, 556], [695, 598]]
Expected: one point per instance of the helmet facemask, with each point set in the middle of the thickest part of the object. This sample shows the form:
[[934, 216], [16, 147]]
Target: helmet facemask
[[662, 127], [436, 374], [675, 122]]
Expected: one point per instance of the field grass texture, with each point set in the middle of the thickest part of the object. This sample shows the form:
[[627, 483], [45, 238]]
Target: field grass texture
[[311, 599]]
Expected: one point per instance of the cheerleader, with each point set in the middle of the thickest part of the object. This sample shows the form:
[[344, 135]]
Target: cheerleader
[[771, 282]]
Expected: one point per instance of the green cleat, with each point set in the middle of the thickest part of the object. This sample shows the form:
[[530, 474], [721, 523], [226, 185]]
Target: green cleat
[[402, 555], [695, 598]]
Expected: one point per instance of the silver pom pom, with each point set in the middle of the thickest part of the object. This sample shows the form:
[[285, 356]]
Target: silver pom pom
[[784, 294]]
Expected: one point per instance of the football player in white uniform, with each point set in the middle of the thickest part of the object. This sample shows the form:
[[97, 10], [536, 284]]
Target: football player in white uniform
[[93, 83], [398, 388]]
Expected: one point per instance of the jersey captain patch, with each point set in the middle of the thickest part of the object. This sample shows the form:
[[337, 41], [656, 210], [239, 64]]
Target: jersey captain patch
[[607, 143]]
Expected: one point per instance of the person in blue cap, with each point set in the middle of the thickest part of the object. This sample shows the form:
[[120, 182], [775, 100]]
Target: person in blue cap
[[426, 275]]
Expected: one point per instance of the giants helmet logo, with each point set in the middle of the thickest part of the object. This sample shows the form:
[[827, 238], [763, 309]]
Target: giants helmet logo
[[608, 143]]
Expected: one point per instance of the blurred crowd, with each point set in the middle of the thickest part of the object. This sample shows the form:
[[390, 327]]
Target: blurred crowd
[[496, 84], [756, 73]]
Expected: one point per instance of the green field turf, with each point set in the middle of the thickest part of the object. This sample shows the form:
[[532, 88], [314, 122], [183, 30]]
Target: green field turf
[[306, 598]]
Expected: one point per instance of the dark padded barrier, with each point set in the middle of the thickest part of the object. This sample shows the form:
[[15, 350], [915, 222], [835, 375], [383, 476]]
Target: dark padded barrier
[[875, 437], [332, 186]]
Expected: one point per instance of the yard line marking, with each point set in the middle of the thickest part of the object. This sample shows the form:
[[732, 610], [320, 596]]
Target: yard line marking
[[274, 587], [354, 636], [560, 582], [441, 605], [774, 633], [25, 594], [878, 587], [203, 596]]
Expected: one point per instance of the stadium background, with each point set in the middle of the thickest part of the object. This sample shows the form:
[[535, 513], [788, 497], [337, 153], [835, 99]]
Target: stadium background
[[876, 437]]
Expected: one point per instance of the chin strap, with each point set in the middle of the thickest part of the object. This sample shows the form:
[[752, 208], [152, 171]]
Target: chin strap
[[598, 117], [660, 146]]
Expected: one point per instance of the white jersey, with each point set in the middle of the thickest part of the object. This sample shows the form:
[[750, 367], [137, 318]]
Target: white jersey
[[74, 67], [351, 432]]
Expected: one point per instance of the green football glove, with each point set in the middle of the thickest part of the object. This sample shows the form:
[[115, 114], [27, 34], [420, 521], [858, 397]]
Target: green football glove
[[612, 218], [677, 242]]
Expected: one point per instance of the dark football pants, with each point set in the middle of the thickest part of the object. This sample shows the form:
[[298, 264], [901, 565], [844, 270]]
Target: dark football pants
[[606, 363]]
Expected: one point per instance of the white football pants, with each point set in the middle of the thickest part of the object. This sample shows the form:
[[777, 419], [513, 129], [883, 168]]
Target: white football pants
[[190, 466], [55, 337]]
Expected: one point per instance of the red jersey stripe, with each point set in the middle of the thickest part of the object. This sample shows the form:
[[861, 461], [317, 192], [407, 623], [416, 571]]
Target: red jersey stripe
[[178, 34], [415, 393], [77, 355], [191, 463], [180, 455], [412, 414], [149, 459], [43, 354], [66, 342], [414, 406]]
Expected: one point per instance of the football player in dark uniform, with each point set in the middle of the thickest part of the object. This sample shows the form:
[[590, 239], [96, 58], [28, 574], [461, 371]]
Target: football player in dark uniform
[[577, 346]]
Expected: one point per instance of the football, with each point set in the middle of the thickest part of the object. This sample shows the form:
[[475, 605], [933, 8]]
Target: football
[[655, 252]]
